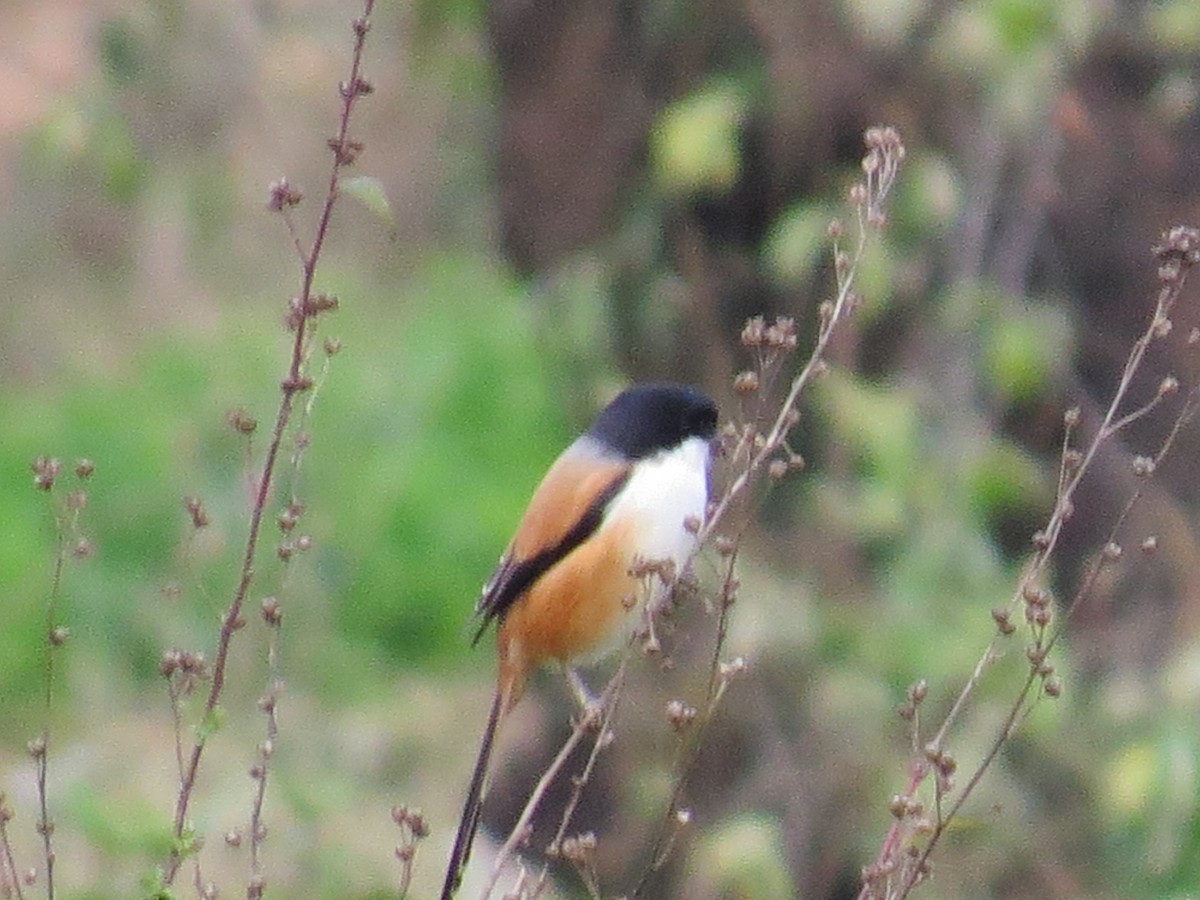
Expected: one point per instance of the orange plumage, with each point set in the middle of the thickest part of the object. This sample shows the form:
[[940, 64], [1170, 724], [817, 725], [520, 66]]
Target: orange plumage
[[563, 589]]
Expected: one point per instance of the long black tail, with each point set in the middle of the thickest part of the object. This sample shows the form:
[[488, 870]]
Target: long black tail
[[469, 822]]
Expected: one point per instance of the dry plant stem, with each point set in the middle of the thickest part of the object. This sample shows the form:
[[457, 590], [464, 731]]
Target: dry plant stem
[[1064, 502], [881, 166], [1177, 254], [869, 217], [413, 830], [294, 383], [689, 748], [581, 781], [607, 703], [258, 829], [9, 879], [41, 748], [177, 716]]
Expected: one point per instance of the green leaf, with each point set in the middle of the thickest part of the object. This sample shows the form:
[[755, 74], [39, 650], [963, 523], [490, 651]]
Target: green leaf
[[797, 240], [210, 724], [155, 886], [694, 144], [368, 191], [1023, 351]]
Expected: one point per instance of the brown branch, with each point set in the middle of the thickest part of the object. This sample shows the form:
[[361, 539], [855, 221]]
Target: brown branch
[[303, 308]]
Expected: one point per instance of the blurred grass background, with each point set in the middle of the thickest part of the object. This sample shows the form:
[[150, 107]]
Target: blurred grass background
[[585, 194]]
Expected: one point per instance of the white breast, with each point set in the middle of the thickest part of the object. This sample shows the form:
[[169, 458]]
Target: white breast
[[662, 493]]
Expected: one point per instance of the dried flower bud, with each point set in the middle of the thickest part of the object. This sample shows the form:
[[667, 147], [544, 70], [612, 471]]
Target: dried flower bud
[[196, 510], [1052, 686], [241, 421], [282, 196], [1111, 552], [746, 382], [271, 612], [753, 332], [193, 662], [732, 669], [84, 469], [1002, 620], [1072, 416], [1143, 466], [1150, 544], [45, 470], [358, 86], [332, 346], [296, 385], [783, 333], [680, 715], [579, 849], [916, 691], [345, 152], [1035, 596], [169, 663], [1178, 249], [318, 303], [417, 823]]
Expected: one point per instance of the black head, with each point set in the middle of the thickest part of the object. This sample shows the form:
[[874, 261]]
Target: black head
[[647, 418]]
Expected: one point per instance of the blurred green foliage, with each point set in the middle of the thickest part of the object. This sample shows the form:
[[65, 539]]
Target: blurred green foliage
[[694, 146]]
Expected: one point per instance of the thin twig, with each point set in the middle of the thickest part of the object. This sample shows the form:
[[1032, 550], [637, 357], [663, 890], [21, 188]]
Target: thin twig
[[66, 521], [689, 747], [295, 383], [881, 165], [9, 879], [519, 833], [1179, 250]]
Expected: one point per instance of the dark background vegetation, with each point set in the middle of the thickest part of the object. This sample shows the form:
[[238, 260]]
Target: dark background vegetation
[[586, 193]]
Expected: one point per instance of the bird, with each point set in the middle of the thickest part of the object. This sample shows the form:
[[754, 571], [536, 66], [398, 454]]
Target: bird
[[630, 490]]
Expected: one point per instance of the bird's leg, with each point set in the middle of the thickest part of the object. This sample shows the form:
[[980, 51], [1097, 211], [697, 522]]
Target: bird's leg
[[590, 707]]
